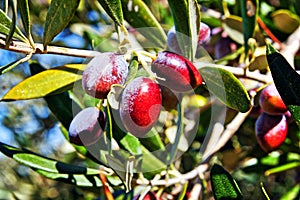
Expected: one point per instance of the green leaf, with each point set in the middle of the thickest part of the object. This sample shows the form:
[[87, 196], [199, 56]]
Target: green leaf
[[223, 185], [5, 25], [25, 16], [292, 193], [114, 10], [249, 12], [151, 164], [78, 175], [132, 144], [36, 161], [61, 106], [13, 25], [233, 26], [153, 141], [58, 16], [138, 15], [179, 132], [78, 180], [133, 68], [226, 87], [51, 81], [287, 81], [186, 15]]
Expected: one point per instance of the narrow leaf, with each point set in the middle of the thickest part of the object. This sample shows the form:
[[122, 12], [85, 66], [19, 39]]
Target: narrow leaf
[[223, 185], [5, 25], [249, 10], [194, 24], [133, 68], [227, 88], [153, 141], [233, 26], [138, 15], [287, 81], [114, 10], [52, 81], [186, 16], [179, 133], [76, 179], [78, 175], [36, 161], [25, 16], [13, 24], [58, 16]]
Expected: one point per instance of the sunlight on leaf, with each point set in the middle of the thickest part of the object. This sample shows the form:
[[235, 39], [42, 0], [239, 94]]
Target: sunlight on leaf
[[52, 81]]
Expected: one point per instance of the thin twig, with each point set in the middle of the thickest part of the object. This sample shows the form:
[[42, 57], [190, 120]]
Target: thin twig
[[22, 47]]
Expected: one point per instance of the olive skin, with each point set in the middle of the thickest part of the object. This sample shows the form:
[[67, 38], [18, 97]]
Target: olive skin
[[271, 102], [176, 72], [140, 106], [87, 126], [271, 131], [102, 72]]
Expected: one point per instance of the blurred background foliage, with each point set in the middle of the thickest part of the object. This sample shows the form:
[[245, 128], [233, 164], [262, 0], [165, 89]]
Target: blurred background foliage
[[31, 125]]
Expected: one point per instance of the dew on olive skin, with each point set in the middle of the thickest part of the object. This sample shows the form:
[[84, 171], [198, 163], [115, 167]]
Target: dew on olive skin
[[102, 72], [140, 105], [87, 126]]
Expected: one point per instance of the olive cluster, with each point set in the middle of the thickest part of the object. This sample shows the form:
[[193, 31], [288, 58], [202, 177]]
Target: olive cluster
[[272, 125], [142, 98]]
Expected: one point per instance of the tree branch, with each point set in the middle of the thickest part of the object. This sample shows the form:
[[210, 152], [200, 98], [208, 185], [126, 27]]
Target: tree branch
[[22, 47]]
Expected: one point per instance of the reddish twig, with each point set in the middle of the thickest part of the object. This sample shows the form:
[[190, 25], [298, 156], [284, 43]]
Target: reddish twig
[[268, 31]]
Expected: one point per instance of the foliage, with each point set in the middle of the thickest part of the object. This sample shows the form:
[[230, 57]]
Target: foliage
[[211, 129]]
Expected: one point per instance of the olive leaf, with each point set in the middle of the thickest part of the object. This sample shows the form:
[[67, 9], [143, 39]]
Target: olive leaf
[[114, 10], [187, 25], [138, 15], [25, 16], [51, 81], [233, 26], [53, 169], [226, 87], [223, 185], [286, 79], [5, 27], [249, 10], [58, 16]]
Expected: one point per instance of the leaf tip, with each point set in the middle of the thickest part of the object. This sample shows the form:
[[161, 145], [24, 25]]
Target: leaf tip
[[269, 48]]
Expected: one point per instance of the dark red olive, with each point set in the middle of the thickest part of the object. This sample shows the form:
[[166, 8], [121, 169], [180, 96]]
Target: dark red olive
[[102, 72], [271, 102], [140, 106], [87, 126], [176, 72], [271, 131]]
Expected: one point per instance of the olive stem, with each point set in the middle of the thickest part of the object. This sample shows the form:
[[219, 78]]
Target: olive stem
[[109, 136], [21, 47]]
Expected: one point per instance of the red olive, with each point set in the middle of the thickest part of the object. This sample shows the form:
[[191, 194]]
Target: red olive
[[176, 72], [140, 106], [271, 131], [102, 72], [87, 126]]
